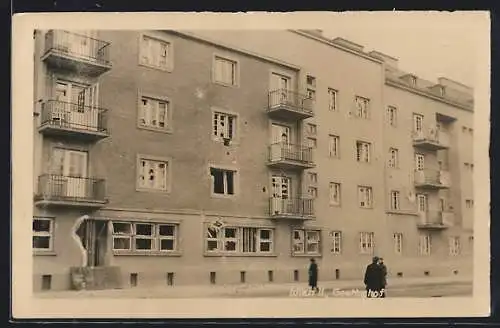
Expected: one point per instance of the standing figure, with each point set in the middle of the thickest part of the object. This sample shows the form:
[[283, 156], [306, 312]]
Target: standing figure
[[313, 275], [374, 279], [384, 275]]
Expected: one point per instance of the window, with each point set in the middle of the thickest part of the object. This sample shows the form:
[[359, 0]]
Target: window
[[332, 99], [336, 242], [365, 197], [306, 241], [392, 115], [312, 128], [333, 146], [225, 71], [311, 94], [142, 236], [313, 192], [394, 200], [311, 87], [419, 162], [454, 245], [312, 142], [362, 107], [43, 234], [224, 126], [394, 158], [442, 91], [223, 181], [155, 52], [335, 193], [469, 203], [313, 177], [311, 81], [366, 242], [153, 174], [363, 151], [418, 121], [425, 244], [154, 113], [398, 243], [239, 240], [413, 80]]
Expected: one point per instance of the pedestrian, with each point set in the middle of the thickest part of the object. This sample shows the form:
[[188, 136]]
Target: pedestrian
[[374, 279], [384, 276], [313, 275]]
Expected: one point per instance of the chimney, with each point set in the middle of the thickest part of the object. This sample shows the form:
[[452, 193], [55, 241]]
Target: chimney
[[348, 44], [389, 61]]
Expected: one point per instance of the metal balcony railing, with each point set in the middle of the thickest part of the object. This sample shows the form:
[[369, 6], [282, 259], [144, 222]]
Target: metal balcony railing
[[73, 116], [55, 187], [77, 46], [289, 152], [290, 99], [294, 207]]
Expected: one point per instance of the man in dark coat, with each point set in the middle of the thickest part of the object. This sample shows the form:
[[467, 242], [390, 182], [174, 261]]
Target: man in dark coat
[[374, 278], [313, 275], [384, 275]]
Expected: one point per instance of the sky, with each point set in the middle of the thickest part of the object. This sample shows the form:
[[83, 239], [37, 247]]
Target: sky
[[427, 45]]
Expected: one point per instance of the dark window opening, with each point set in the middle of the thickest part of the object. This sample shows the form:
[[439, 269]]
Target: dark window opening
[[295, 275], [46, 282], [242, 277], [133, 279], [212, 278], [218, 180], [270, 276], [426, 273], [170, 278], [337, 274], [400, 274]]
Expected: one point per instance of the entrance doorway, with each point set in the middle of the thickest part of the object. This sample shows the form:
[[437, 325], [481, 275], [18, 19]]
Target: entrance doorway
[[94, 236]]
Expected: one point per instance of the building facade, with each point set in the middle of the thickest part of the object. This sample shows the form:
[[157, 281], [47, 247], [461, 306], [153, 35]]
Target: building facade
[[167, 157]]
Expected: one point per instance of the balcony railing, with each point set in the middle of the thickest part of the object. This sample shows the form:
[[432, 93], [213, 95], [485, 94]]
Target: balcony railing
[[289, 104], [431, 139], [59, 117], [433, 179], [295, 208], [435, 219], [70, 190], [290, 156], [77, 52]]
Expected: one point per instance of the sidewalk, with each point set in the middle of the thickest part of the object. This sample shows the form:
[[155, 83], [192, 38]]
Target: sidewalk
[[248, 289]]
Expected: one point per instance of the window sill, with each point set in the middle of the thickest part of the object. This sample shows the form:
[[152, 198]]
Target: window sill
[[227, 85], [232, 142], [156, 191], [167, 130], [44, 253], [218, 254], [366, 208], [158, 68], [334, 205], [401, 212], [146, 253], [220, 196], [307, 255]]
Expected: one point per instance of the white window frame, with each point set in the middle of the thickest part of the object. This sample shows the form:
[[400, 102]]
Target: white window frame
[[392, 113], [49, 234], [366, 242], [158, 160], [362, 107], [122, 235], [224, 169], [229, 129], [363, 151], [332, 99], [312, 142], [305, 242], [333, 146], [336, 242], [169, 61], [313, 177], [418, 122], [425, 244], [238, 239], [312, 191], [395, 200], [174, 237], [398, 243], [235, 70], [393, 158], [419, 162], [335, 195], [365, 197], [454, 245], [154, 113], [155, 237], [312, 129], [136, 237], [234, 239], [469, 203]]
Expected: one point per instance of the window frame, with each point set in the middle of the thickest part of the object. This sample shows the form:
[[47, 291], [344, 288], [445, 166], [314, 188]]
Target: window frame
[[369, 241], [168, 173], [50, 234], [395, 200], [305, 242], [392, 113], [239, 241], [393, 158], [454, 245], [155, 237], [425, 244], [398, 243], [368, 191], [335, 92], [236, 67], [169, 66], [336, 242], [225, 169], [235, 125], [365, 115], [338, 187], [333, 140], [363, 148], [168, 128]]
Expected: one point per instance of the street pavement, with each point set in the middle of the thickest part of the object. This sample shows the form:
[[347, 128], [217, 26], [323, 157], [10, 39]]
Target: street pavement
[[454, 286]]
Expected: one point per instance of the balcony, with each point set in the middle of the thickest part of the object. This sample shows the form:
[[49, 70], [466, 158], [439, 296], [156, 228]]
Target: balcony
[[290, 157], [289, 105], [432, 139], [60, 190], [77, 53], [291, 208], [60, 118], [432, 179], [435, 220]]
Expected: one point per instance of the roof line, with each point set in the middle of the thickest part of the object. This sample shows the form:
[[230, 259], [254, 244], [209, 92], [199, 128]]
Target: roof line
[[235, 49]]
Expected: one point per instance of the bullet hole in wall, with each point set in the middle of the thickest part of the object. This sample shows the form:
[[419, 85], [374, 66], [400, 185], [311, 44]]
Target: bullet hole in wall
[[263, 189], [227, 153], [246, 122]]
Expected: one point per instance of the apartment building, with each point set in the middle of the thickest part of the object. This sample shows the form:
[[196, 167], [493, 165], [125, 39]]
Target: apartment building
[[167, 157]]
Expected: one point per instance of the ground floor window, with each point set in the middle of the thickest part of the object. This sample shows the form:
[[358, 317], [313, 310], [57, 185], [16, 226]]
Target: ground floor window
[[305, 241], [239, 240], [142, 236], [43, 234]]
